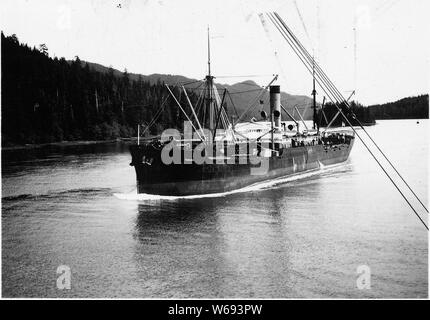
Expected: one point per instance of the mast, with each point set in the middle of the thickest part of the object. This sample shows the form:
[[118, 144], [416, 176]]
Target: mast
[[209, 83], [314, 93], [209, 54]]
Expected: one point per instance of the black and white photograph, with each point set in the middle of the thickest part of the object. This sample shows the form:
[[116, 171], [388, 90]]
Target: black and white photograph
[[214, 150]]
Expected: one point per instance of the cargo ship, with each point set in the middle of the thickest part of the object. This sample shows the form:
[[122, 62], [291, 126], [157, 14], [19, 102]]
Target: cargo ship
[[217, 155], [282, 152]]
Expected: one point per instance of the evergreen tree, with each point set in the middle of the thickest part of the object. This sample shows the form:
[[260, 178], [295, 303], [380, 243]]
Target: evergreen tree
[[47, 100]]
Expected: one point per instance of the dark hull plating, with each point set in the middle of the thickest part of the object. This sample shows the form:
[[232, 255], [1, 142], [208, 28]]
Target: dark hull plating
[[194, 179]]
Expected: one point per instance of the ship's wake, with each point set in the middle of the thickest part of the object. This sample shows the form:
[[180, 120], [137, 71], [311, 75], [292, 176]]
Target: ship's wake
[[278, 182]]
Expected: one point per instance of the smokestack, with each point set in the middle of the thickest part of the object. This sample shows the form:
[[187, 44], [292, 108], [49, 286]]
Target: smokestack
[[275, 106]]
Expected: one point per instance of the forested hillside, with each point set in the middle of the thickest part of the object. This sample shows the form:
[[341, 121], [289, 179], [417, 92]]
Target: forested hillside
[[242, 93], [48, 100], [407, 108], [361, 112]]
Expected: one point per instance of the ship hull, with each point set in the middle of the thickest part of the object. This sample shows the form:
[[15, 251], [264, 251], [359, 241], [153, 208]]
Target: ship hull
[[194, 179]]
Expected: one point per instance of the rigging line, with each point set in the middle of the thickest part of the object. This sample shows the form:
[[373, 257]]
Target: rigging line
[[381, 11], [383, 169], [289, 115], [379, 149], [336, 104], [322, 111], [305, 60], [195, 88], [384, 4], [330, 86], [254, 85], [270, 131], [152, 122], [250, 84], [219, 87], [179, 105], [157, 115], [306, 55], [386, 158], [377, 161], [256, 99], [303, 106], [199, 104], [303, 23], [225, 118], [257, 123], [201, 89], [344, 101], [218, 107], [337, 114], [264, 24], [248, 76], [330, 97], [231, 100], [301, 118], [194, 113], [219, 115], [190, 82], [393, 166], [243, 136], [238, 92], [295, 50], [298, 53]]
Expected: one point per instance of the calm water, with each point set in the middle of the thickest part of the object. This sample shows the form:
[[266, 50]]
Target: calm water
[[301, 238]]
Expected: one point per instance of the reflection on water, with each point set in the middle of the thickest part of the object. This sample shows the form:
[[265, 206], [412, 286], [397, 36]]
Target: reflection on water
[[303, 237]]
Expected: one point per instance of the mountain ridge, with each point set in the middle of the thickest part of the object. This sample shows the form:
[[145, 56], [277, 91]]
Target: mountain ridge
[[241, 92]]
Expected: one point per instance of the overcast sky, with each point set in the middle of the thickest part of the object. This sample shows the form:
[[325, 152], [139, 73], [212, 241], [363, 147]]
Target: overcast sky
[[391, 59]]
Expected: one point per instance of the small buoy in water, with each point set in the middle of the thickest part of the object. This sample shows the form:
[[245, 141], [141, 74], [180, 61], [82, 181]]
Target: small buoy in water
[[418, 122]]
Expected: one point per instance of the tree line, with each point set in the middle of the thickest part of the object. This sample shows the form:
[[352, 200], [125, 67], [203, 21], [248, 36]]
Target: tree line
[[406, 108], [356, 112], [48, 99]]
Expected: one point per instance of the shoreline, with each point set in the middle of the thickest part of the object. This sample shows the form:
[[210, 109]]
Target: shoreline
[[64, 144], [131, 139]]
